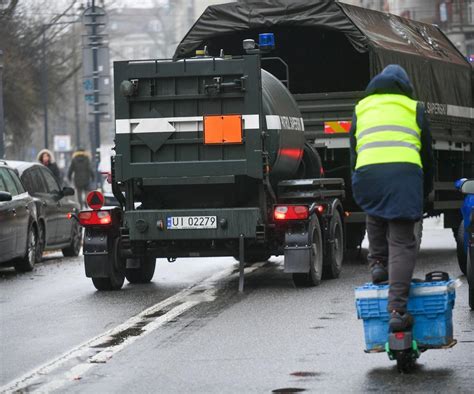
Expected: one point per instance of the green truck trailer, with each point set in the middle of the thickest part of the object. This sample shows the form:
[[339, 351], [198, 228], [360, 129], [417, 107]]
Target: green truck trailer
[[211, 160]]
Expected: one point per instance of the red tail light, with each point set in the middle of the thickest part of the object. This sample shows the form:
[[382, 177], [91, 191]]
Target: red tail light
[[95, 218], [291, 212], [399, 335]]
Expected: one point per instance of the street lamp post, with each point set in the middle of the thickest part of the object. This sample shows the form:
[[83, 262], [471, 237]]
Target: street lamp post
[[96, 78], [44, 88]]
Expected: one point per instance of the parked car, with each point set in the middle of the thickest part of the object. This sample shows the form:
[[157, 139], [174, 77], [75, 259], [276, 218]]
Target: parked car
[[462, 236], [18, 222], [466, 235], [54, 205]]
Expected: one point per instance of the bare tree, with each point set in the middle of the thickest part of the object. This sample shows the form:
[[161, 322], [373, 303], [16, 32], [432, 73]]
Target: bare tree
[[27, 41]]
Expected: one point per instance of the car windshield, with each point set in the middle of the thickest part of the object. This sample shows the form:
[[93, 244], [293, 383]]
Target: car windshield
[[3, 187], [9, 184]]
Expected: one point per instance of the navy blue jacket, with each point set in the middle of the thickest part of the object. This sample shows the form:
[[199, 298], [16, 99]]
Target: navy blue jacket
[[394, 190]]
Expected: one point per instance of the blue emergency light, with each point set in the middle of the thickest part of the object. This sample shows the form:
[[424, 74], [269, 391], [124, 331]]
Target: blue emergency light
[[266, 41]]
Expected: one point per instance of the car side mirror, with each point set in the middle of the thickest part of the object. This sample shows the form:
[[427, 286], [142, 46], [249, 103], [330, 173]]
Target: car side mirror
[[5, 196], [468, 187], [67, 191]]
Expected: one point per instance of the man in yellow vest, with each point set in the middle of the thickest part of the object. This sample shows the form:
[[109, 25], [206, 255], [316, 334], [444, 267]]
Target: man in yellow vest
[[392, 166]]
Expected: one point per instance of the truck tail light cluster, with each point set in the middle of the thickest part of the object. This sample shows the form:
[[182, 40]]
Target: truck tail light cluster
[[95, 218], [290, 212]]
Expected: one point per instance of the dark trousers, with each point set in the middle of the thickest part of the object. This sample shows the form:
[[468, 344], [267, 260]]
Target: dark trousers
[[81, 197], [392, 243]]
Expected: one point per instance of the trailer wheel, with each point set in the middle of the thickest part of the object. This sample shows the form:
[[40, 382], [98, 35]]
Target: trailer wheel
[[313, 277], [460, 248], [116, 276], [335, 249], [145, 273]]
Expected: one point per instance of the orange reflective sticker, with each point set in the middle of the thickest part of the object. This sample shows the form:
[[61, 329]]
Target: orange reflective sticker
[[339, 126], [223, 129]]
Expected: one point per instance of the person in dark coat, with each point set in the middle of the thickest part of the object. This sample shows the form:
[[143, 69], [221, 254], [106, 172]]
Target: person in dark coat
[[81, 172], [392, 163], [46, 158]]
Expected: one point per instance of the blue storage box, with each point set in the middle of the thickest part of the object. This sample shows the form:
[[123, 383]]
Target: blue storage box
[[430, 303]]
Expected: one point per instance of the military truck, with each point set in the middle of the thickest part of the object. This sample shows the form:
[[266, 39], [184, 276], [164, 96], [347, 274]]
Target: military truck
[[331, 51], [211, 160]]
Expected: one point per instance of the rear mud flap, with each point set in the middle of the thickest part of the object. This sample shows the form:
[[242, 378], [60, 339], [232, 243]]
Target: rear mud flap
[[97, 260], [97, 266], [297, 252]]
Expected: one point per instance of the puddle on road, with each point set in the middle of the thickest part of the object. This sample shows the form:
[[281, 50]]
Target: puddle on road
[[159, 313], [162, 311], [121, 336], [289, 390], [305, 374]]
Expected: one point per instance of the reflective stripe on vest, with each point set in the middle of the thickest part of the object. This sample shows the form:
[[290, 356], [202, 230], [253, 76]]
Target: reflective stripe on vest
[[387, 131]]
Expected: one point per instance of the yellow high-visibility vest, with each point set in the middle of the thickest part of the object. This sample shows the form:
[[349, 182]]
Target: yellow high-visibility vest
[[387, 131]]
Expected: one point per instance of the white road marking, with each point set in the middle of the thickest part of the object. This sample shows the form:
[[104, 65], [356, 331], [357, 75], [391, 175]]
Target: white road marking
[[87, 355]]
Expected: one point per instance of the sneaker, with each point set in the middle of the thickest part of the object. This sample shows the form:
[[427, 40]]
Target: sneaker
[[379, 273], [400, 321]]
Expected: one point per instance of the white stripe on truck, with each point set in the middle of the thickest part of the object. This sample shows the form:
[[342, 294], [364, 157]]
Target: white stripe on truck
[[277, 122], [176, 124], [195, 123], [449, 110]]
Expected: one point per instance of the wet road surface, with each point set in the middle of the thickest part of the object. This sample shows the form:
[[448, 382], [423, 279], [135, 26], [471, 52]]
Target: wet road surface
[[273, 338]]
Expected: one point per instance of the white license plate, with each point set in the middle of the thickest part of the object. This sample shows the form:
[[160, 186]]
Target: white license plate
[[191, 222]]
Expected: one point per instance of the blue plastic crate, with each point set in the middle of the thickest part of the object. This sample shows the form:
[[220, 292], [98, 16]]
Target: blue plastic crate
[[430, 303]]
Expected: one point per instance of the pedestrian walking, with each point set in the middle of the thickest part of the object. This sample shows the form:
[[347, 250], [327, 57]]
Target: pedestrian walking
[[80, 171], [46, 158], [392, 165]]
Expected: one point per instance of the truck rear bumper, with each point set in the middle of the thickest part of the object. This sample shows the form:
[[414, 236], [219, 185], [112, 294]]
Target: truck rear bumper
[[151, 225]]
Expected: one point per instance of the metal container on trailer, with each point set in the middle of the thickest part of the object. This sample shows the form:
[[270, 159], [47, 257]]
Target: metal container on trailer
[[162, 142]]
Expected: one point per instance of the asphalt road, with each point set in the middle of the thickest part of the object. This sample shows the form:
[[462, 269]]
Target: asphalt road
[[200, 335]]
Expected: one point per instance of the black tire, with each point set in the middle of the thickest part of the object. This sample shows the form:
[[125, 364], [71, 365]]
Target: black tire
[[144, 274], [470, 279], [41, 242], [76, 241], [334, 255], [27, 263], [405, 361], [116, 276], [418, 234], [313, 277], [460, 249], [355, 233], [311, 164]]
